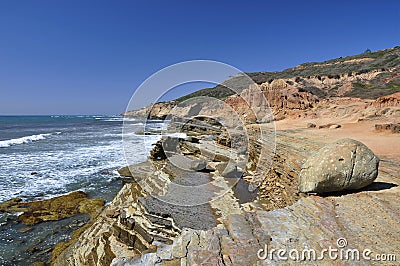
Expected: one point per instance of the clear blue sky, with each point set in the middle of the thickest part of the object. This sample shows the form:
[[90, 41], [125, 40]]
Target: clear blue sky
[[87, 57]]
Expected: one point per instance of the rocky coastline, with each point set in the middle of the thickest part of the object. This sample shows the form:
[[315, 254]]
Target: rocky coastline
[[73, 211], [312, 168], [255, 198], [140, 227]]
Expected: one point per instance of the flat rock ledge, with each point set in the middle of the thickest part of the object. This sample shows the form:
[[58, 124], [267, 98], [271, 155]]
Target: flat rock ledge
[[313, 222], [130, 232]]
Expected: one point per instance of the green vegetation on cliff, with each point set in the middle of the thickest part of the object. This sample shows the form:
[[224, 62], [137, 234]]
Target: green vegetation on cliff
[[385, 61]]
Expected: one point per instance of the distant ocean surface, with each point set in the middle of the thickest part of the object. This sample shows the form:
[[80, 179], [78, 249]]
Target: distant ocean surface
[[68, 153]]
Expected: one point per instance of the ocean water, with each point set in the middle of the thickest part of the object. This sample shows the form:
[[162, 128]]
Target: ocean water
[[68, 153]]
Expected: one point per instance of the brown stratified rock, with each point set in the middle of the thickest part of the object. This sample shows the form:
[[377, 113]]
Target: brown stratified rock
[[387, 101], [342, 165], [279, 187], [391, 127], [53, 209], [154, 111], [12, 205], [290, 98], [278, 96]]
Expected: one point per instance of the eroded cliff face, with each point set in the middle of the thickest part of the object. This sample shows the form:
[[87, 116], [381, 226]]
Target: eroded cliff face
[[154, 111], [277, 99], [392, 100], [285, 97], [328, 85]]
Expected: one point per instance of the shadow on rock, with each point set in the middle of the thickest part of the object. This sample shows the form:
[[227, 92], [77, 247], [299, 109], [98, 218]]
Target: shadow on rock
[[375, 186]]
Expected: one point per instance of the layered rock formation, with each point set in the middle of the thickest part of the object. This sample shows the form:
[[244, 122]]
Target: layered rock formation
[[312, 223], [278, 96], [136, 229], [365, 76], [154, 111], [280, 99], [317, 222], [122, 229], [388, 101]]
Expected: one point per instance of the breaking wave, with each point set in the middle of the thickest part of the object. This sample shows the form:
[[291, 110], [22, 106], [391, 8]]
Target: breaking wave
[[23, 140]]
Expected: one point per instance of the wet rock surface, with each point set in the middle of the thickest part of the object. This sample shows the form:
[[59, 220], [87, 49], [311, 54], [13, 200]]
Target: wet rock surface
[[46, 221], [18, 251], [53, 209]]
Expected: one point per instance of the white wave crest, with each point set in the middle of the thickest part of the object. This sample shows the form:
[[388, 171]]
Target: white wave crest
[[22, 140]]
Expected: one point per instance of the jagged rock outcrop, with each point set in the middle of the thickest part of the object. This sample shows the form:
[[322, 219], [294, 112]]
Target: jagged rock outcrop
[[388, 101], [390, 127], [290, 98], [314, 223], [155, 111], [138, 230], [124, 228], [343, 165], [277, 98], [141, 215], [279, 187]]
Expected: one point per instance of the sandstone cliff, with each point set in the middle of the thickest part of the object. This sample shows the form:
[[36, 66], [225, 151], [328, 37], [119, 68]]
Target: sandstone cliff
[[286, 94]]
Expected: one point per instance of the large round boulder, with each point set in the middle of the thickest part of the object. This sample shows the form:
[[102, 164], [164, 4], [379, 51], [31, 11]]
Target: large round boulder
[[345, 164]]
